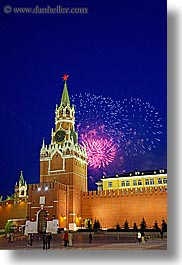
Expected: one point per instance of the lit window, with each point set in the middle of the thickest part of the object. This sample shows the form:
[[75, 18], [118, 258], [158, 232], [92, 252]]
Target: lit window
[[159, 181], [146, 182], [109, 184], [42, 200], [134, 182], [139, 182], [151, 181], [122, 183], [127, 183], [165, 180]]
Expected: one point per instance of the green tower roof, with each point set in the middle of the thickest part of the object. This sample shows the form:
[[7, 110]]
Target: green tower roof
[[65, 100], [21, 179]]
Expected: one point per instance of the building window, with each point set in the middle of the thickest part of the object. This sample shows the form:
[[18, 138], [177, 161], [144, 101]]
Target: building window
[[151, 181], [42, 200], [134, 182], [139, 182], [122, 183], [109, 184], [165, 180], [127, 183], [146, 182], [159, 181]]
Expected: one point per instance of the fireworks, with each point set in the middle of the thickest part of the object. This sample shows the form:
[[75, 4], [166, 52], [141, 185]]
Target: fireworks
[[101, 152], [141, 126], [114, 130]]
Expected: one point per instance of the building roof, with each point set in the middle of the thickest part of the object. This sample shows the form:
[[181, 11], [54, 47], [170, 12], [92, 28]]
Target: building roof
[[138, 173]]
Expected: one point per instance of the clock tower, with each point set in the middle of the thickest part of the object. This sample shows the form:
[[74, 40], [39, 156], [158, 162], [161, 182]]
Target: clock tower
[[64, 161]]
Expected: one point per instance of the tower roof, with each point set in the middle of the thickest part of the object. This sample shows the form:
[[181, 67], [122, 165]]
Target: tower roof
[[21, 179], [65, 100]]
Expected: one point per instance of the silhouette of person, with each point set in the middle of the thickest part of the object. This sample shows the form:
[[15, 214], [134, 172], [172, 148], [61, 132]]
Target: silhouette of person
[[65, 238], [44, 238], [90, 237], [49, 238]]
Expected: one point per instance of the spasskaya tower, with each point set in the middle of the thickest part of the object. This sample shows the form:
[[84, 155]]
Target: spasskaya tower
[[56, 200], [63, 159]]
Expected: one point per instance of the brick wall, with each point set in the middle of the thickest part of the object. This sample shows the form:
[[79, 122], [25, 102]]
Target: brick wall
[[9, 210], [112, 207]]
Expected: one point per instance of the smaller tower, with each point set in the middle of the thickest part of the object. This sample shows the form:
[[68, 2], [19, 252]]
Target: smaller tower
[[20, 188]]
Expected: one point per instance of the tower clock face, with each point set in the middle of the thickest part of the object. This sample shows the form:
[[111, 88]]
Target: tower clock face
[[60, 136]]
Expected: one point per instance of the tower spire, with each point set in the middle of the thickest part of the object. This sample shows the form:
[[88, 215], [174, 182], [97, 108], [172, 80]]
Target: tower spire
[[65, 100]]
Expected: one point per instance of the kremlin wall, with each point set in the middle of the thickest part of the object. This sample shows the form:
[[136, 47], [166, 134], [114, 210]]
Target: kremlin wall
[[61, 198]]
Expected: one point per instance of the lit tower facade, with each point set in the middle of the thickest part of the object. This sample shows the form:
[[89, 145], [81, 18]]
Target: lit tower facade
[[64, 159]]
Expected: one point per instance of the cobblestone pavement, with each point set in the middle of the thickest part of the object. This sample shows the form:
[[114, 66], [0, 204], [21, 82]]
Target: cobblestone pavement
[[156, 244]]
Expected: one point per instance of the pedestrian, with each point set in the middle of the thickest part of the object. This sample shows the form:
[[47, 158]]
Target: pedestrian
[[90, 237], [30, 239], [70, 239], [49, 238], [162, 234], [44, 239], [65, 238], [11, 237], [139, 237], [143, 237]]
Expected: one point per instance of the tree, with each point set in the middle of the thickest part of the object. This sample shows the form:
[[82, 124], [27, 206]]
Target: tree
[[156, 226], [8, 226], [143, 224], [164, 226], [118, 228], [135, 228], [96, 226], [126, 225]]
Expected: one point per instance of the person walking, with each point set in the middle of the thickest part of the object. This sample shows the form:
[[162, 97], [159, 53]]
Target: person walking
[[70, 239], [65, 238], [49, 238], [44, 239], [11, 237], [30, 239], [139, 237], [90, 237], [143, 237]]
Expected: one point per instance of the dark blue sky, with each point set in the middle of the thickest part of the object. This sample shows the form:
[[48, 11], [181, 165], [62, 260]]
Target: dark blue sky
[[118, 50]]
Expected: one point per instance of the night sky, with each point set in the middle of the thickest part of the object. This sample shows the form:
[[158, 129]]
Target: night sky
[[117, 50]]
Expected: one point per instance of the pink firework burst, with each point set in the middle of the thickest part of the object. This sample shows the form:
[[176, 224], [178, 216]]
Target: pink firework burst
[[100, 152]]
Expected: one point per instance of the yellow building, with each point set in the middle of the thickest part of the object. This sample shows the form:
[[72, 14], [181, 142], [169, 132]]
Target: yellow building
[[137, 179]]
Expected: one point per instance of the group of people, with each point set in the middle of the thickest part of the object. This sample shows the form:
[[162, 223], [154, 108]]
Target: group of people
[[141, 237], [68, 239], [46, 238]]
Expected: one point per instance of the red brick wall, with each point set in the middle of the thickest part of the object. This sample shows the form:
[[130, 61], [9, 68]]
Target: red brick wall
[[117, 207], [11, 211]]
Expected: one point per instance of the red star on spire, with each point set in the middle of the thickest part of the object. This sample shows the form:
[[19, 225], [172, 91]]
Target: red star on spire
[[65, 77]]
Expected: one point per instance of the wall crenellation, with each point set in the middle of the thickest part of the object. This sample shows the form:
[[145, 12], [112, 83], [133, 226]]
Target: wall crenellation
[[124, 192]]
